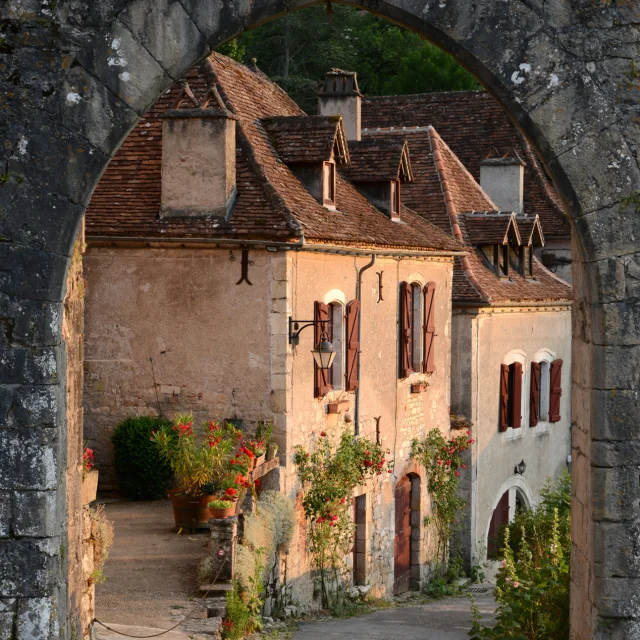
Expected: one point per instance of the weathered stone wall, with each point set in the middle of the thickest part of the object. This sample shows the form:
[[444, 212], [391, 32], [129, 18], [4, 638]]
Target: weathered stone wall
[[76, 76], [207, 336]]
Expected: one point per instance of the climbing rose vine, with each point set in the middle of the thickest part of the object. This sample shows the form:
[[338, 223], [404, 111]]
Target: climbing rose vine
[[329, 474], [442, 460]]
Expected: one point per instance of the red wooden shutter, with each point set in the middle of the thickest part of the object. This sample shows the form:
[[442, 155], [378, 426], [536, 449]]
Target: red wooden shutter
[[516, 418], [405, 330], [429, 328], [555, 375], [534, 396], [353, 344], [504, 396], [499, 518], [321, 376]]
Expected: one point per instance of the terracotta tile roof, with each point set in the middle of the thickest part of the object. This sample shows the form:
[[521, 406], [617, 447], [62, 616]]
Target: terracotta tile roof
[[378, 159], [271, 204], [492, 228], [308, 138], [473, 124]]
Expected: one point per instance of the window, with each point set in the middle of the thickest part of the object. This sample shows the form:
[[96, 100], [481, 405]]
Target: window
[[546, 391], [416, 326], [329, 183], [510, 396], [526, 262], [502, 260], [336, 337], [543, 401], [394, 199]]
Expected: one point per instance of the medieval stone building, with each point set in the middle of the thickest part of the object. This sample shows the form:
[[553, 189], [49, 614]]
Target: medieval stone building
[[228, 213]]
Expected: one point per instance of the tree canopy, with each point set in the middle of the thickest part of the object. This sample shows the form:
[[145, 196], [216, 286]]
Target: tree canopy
[[298, 49]]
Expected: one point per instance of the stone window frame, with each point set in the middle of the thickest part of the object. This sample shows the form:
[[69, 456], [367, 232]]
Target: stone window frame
[[517, 355], [544, 356]]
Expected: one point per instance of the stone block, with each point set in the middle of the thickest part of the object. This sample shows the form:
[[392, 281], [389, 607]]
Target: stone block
[[5, 515], [616, 367], [610, 232], [616, 414], [28, 459], [618, 597], [617, 548], [126, 67], [163, 28], [615, 494], [29, 567], [35, 514], [606, 278], [617, 323], [34, 619]]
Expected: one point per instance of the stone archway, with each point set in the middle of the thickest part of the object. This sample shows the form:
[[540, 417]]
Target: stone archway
[[76, 77]]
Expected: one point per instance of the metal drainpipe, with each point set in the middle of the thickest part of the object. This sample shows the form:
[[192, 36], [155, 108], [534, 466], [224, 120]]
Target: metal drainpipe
[[358, 298]]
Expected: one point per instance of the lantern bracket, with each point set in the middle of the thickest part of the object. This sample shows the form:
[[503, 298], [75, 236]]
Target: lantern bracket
[[295, 328]]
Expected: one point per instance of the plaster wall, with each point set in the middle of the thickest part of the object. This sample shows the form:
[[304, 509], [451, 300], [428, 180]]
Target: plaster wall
[[208, 338], [498, 336], [505, 185], [403, 415], [349, 107]]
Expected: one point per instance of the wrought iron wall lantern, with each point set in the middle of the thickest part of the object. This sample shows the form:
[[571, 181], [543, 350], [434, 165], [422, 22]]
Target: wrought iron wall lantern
[[323, 353], [521, 467]]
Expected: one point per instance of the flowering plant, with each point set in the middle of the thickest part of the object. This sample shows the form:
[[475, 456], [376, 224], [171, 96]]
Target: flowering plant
[[329, 475], [442, 460], [221, 503], [88, 461], [196, 460]]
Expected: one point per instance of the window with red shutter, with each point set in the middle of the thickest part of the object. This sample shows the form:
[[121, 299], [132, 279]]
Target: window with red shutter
[[534, 396], [555, 393], [516, 399], [429, 328], [405, 330], [322, 384], [353, 344], [504, 397]]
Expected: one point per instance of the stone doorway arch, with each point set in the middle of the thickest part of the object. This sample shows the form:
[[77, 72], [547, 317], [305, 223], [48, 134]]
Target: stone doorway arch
[[78, 75]]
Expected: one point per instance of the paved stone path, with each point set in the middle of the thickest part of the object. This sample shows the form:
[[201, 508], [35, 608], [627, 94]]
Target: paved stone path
[[447, 619]]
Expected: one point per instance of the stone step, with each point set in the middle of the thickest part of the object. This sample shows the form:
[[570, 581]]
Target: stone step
[[216, 589]]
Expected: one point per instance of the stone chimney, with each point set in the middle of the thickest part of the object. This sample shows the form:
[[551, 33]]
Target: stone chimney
[[340, 96], [198, 157], [502, 178]]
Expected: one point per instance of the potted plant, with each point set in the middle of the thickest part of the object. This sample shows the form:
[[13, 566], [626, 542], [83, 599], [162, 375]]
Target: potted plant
[[222, 508], [260, 443], [199, 463], [89, 476]]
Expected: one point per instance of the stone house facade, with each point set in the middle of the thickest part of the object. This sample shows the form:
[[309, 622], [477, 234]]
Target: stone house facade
[[511, 326], [190, 291], [227, 212]]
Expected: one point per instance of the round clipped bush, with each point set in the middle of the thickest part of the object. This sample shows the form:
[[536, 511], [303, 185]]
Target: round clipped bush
[[142, 473]]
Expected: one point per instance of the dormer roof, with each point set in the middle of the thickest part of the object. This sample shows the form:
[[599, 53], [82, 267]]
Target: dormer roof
[[530, 231], [302, 139], [492, 228], [379, 159]]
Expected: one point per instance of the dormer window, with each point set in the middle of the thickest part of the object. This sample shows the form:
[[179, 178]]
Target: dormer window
[[502, 260], [329, 184], [394, 200], [526, 262]]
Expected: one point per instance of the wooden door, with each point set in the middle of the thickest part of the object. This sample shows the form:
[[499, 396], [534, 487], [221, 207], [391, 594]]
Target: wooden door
[[402, 542], [499, 519]]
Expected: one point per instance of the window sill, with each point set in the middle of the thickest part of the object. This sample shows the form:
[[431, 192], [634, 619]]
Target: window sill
[[514, 434], [419, 387], [337, 407], [542, 428]]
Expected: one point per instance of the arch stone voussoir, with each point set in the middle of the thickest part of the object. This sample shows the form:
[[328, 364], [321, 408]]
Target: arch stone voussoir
[[78, 75]]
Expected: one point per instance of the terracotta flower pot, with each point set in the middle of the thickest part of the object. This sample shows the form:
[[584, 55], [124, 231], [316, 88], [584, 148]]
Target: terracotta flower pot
[[224, 513], [89, 486], [191, 512], [259, 460]]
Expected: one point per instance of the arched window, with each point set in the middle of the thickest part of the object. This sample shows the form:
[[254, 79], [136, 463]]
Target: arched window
[[416, 326], [336, 336]]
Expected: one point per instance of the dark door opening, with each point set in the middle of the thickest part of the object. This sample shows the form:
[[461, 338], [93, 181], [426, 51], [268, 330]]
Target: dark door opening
[[360, 542], [402, 542]]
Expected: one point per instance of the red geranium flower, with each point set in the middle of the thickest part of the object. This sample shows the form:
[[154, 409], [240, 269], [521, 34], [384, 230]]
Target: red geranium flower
[[323, 434], [231, 492]]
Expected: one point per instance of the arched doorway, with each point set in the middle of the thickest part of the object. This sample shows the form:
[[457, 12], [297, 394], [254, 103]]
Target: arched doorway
[[406, 560], [93, 70], [510, 502]]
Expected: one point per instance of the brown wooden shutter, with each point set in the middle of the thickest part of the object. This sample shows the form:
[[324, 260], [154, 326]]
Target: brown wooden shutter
[[516, 418], [555, 375], [429, 328], [504, 396], [499, 518], [353, 344], [534, 396], [405, 330], [321, 376]]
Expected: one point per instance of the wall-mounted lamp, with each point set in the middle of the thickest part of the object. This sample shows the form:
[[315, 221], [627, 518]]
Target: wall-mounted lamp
[[323, 354], [521, 467]]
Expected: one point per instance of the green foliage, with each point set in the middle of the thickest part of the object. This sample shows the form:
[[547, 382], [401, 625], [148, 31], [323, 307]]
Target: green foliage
[[328, 476], [533, 582], [446, 580], [142, 473], [239, 620], [442, 460], [298, 49]]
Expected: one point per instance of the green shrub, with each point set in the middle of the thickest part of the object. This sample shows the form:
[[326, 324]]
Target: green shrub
[[533, 582], [142, 472]]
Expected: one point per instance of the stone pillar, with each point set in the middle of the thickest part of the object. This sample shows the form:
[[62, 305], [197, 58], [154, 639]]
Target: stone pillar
[[224, 534]]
